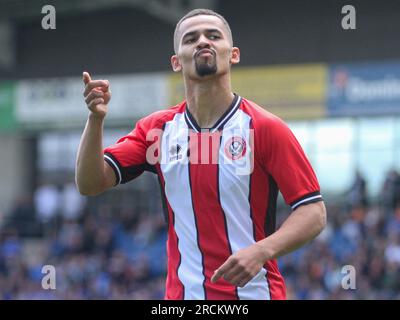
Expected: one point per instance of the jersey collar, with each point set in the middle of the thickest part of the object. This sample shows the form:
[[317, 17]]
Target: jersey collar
[[191, 122]]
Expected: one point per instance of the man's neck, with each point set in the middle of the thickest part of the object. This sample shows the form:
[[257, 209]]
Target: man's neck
[[209, 99]]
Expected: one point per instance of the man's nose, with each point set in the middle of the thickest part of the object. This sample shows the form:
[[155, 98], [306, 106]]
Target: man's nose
[[203, 42]]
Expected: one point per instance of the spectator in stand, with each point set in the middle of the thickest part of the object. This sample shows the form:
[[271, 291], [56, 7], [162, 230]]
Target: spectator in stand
[[72, 203], [47, 199], [357, 194], [390, 193]]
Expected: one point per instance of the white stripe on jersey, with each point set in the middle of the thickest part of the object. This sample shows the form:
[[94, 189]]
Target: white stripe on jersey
[[305, 200], [234, 197], [178, 192], [115, 166]]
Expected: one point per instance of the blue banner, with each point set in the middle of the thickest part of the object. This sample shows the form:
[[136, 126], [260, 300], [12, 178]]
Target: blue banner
[[364, 89]]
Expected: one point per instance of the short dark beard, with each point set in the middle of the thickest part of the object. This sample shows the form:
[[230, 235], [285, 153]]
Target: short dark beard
[[206, 69]]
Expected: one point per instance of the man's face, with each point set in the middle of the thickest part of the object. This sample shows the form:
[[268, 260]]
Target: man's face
[[204, 48]]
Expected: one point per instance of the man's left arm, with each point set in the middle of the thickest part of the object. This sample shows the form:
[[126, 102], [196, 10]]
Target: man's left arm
[[303, 225]]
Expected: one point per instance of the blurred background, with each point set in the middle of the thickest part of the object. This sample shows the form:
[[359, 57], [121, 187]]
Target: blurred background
[[339, 91]]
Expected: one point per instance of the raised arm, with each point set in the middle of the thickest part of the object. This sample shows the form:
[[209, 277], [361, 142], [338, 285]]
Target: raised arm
[[92, 174]]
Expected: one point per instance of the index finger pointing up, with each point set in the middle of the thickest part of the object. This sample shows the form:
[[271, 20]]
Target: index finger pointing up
[[86, 77]]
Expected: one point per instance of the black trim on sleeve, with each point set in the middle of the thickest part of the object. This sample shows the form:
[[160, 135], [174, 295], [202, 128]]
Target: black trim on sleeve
[[307, 199], [114, 164], [126, 174]]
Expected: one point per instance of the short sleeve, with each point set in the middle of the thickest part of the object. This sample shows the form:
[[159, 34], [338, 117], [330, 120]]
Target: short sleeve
[[289, 167], [128, 156]]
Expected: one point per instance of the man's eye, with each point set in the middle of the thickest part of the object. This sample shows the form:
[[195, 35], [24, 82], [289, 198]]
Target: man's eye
[[190, 40], [214, 37]]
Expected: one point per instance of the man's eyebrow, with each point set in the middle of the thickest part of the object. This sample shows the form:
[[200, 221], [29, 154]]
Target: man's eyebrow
[[192, 33], [188, 34], [213, 30]]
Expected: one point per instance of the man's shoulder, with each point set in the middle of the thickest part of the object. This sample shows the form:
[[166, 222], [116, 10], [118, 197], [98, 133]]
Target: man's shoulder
[[260, 116], [157, 119]]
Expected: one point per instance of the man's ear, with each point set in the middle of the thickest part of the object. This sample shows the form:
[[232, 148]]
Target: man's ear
[[176, 65], [235, 55]]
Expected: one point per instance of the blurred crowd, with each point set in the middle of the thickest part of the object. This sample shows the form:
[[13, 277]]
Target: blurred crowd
[[101, 247], [106, 248]]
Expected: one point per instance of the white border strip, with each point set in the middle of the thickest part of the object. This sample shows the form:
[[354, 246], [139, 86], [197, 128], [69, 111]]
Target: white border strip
[[305, 200], [116, 166], [234, 109], [191, 123]]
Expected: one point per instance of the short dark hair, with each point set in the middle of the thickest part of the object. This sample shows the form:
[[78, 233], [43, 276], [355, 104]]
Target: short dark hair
[[200, 12]]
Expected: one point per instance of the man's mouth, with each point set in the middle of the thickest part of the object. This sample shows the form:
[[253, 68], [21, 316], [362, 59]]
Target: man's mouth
[[205, 53]]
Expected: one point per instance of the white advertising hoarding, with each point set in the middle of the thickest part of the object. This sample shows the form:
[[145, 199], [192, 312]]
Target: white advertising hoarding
[[60, 102]]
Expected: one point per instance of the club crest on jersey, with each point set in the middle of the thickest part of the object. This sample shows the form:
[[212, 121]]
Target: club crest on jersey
[[235, 148], [175, 152]]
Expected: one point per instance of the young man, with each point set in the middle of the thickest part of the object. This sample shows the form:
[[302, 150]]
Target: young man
[[220, 159]]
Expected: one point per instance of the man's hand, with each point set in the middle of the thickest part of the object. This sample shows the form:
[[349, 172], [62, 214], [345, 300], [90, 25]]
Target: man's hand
[[97, 95], [242, 266]]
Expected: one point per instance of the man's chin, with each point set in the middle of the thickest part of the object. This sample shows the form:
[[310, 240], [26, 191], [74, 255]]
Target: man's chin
[[206, 70]]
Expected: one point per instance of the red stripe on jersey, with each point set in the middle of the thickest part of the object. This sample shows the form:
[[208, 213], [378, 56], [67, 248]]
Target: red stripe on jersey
[[277, 288], [174, 288], [210, 218], [262, 204]]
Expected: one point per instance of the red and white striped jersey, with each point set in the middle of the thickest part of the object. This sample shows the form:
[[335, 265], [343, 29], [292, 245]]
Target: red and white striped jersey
[[220, 187]]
